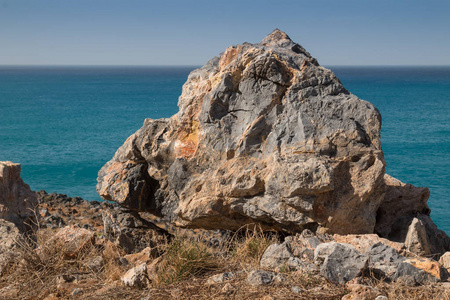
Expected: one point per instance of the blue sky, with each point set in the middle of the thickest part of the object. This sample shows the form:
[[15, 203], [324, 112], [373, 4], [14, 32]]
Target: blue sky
[[169, 32]]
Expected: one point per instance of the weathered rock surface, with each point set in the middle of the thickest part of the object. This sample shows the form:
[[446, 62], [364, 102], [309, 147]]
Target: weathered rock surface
[[136, 277], [445, 260], [386, 263], [276, 256], [339, 262], [10, 238], [259, 277], [131, 232], [17, 211], [416, 240], [299, 257], [363, 242], [420, 235], [17, 201], [404, 216], [401, 199], [220, 278], [264, 134], [9, 235], [73, 239]]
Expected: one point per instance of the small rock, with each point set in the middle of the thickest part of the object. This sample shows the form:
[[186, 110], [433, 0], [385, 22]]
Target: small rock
[[276, 256], [154, 268], [144, 256], [73, 239], [445, 260], [341, 262], [381, 298], [416, 239], [303, 245], [95, 264], [297, 290], [294, 263], [383, 261], [259, 277], [219, 278], [136, 277]]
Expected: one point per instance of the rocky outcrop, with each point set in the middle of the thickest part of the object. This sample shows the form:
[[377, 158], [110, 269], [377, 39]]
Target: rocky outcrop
[[17, 201], [17, 212], [264, 135]]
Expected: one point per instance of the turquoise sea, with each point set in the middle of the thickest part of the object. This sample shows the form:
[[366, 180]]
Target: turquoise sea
[[63, 123]]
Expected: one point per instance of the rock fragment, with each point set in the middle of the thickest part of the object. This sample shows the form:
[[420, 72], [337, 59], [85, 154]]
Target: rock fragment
[[340, 263], [136, 277], [220, 278], [276, 256], [445, 260], [416, 240], [259, 277], [72, 239]]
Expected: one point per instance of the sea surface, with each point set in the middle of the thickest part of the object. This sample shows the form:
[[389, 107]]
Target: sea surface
[[63, 123]]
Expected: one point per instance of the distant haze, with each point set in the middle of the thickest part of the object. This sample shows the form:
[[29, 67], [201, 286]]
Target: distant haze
[[139, 32]]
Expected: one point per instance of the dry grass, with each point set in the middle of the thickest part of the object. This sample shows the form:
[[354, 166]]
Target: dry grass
[[248, 244], [42, 263], [184, 259], [403, 292], [44, 266], [185, 266]]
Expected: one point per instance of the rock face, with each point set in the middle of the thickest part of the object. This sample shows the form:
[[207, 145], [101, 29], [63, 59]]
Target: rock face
[[17, 201], [264, 134]]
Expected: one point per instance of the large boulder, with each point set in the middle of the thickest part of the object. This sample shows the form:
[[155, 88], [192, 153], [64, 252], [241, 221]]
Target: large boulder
[[264, 135], [17, 202]]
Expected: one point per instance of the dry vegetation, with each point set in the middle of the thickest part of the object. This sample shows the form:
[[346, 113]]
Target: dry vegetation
[[44, 270]]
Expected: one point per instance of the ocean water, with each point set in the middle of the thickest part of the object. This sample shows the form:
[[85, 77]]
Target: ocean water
[[63, 123]]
